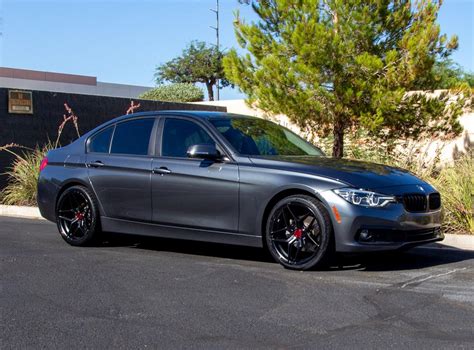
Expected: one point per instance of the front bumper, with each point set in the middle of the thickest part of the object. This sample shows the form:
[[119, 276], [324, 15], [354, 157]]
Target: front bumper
[[362, 229]]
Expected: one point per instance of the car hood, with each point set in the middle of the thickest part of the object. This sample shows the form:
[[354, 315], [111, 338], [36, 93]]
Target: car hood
[[357, 174]]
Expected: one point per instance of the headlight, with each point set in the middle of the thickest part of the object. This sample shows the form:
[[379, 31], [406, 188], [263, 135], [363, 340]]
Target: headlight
[[365, 198]]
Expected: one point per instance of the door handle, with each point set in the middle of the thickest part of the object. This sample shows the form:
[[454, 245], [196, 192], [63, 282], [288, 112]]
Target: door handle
[[162, 170], [96, 164]]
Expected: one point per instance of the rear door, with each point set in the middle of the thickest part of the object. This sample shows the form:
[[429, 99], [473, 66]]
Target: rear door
[[193, 192], [119, 162]]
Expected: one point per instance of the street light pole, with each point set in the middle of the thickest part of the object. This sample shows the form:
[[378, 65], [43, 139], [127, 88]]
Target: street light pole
[[216, 28]]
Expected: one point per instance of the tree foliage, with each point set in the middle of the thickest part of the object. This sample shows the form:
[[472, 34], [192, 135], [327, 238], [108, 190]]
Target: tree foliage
[[446, 74], [179, 92], [336, 65], [198, 63]]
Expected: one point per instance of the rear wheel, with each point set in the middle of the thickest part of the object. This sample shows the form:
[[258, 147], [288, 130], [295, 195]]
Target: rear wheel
[[299, 233], [77, 216]]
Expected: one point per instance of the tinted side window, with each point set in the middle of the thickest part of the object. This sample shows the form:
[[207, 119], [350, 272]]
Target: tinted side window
[[132, 137], [179, 134], [252, 136], [100, 142]]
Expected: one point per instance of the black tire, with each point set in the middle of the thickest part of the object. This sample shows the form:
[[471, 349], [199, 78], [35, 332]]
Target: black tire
[[77, 216], [298, 233]]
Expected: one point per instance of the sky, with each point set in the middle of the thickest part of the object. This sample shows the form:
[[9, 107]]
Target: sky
[[122, 41]]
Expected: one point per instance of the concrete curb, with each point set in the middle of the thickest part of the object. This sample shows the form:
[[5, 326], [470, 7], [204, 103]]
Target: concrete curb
[[20, 212], [463, 242]]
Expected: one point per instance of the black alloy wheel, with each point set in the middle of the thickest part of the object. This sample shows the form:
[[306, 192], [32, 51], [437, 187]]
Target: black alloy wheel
[[77, 216], [299, 232]]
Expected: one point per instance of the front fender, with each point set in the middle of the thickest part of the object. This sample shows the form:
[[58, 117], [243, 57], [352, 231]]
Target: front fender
[[259, 187]]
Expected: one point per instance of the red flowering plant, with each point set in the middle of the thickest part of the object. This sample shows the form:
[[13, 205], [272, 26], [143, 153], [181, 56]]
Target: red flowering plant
[[24, 171], [132, 107]]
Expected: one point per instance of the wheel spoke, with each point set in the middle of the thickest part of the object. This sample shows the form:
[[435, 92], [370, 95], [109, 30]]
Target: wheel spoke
[[291, 213], [66, 211], [73, 228], [316, 230], [65, 218], [305, 216], [310, 225], [285, 219], [284, 229], [77, 229], [298, 249], [289, 252], [82, 230], [293, 260], [79, 204], [288, 240], [71, 203], [312, 240]]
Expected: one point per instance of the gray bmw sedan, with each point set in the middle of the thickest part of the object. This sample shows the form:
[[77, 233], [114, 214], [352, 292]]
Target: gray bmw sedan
[[232, 179]]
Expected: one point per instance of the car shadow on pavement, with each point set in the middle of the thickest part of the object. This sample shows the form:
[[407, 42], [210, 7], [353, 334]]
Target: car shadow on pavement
[[416, 258], [187, 247], [412, 259]]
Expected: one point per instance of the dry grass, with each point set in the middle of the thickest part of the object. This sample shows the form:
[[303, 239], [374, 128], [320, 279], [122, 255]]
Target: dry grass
[[23, 176], [456, 185]]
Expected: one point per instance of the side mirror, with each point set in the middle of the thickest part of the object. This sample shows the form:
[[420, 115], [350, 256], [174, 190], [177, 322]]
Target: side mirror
[[203, 152]]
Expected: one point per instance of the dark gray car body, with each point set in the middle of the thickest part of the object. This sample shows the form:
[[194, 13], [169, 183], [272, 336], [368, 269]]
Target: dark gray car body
[[228, 201]]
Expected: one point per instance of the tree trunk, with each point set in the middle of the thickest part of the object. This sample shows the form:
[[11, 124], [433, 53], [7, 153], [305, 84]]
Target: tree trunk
[[210, 92], [338, 145]]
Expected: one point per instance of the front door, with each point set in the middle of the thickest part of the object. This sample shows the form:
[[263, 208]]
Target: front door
[[189, 192], [120, 170]]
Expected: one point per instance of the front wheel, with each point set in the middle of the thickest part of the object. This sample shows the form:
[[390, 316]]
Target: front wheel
[[77, 216], [299, 232]]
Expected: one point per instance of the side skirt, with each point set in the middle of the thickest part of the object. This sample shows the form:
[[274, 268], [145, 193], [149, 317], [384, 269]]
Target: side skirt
[[166, 231]]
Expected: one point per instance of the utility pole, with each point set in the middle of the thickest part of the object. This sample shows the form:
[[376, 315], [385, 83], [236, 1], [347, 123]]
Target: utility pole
[[216, 28]]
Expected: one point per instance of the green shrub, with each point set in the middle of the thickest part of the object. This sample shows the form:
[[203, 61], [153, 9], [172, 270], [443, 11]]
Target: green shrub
[[180, 92], [23, 176]]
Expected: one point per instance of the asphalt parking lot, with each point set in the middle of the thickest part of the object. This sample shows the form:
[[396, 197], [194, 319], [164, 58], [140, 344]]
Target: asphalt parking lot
[[135, 292]]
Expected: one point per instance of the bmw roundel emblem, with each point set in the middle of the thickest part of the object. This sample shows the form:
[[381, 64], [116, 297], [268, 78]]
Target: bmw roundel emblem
[[420, 188]]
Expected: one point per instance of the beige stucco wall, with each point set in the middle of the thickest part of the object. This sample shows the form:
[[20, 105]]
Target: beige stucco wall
[[240, 107], [446, 149]]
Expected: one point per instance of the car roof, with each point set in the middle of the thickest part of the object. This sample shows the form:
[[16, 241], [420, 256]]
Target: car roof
[[197, 114]]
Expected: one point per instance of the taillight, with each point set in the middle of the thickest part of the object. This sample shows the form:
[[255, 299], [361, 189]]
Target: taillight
[[43, 164]]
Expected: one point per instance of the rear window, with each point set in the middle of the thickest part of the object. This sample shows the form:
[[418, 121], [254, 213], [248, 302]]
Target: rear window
[[100, 142], [132, 137]]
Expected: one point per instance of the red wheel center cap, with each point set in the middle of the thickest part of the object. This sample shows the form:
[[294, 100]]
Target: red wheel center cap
[[79, 216], [298, 233]]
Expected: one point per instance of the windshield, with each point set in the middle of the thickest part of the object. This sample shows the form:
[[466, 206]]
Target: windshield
[[260, 137]]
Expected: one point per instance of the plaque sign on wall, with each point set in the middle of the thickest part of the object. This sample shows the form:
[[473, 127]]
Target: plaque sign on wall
[[20, 102]]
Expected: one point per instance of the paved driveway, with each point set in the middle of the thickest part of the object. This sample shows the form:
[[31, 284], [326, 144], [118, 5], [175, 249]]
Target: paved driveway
[[155, 293]]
